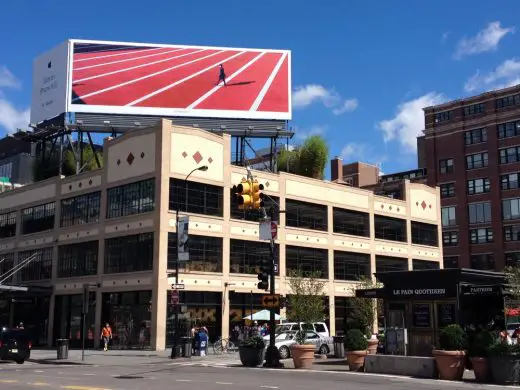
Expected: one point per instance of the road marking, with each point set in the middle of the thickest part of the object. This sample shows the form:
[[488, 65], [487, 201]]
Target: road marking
[[269, 387], [90, 374], [8, 381], [39, 384], [183, 380], [39, 371], [223, 383], [83, 388]]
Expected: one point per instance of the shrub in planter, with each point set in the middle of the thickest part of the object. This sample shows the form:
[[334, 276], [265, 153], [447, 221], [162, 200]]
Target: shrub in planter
[[451, 355], [302, 352], [478, 354], [356, 346], [504, 362], [251, 351]]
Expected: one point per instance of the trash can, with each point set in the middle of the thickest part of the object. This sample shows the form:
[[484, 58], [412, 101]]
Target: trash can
[[186, 346], [339, 346], [62, 349]]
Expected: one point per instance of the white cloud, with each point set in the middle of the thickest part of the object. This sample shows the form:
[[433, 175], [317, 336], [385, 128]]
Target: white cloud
[[408, 121], [11, 117], [303, 133], [354, 151], [486, 40], [503, 76], [7, 79], [304, 96]]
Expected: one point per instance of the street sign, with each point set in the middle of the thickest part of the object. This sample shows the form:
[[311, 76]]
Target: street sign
[[268, 230], [271, 300], [183, 237], [274, 230], [177, 286]]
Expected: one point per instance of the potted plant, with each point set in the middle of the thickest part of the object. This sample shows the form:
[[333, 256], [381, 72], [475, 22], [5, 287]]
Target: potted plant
[[365, 311], [451, 356], [356, 346], [306, 306], [478, 354], [251, 351], [504, 362]]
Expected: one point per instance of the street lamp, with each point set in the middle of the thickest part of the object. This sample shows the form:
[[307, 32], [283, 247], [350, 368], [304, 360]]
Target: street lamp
[[202, 168]]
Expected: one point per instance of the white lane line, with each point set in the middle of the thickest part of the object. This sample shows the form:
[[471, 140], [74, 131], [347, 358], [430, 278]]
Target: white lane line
[[126, 59], [145, 77], [89, 374], [215, 89], [113, 55], [163, 89], [269, 387], [267, 84], [182, 380], [39, 371], [135, 67], [223, 383]]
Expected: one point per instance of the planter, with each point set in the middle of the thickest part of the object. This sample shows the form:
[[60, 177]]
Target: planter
[[505, 369], [481, 369], [372, 347], [303, 355], [251, 357], [356, 360], [450, 364]]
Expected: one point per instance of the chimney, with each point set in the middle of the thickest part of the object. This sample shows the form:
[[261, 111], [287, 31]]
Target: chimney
[[336, 169]]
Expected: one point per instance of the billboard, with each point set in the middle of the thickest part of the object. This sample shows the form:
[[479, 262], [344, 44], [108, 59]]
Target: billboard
[[174, 80]]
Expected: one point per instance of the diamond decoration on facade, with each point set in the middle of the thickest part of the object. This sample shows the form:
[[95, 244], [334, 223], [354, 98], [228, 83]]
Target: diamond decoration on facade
[[184, 154], [197, 157], [130, 159], [267, 184], [417, 203], [430, 206], [142, 154], [398, 209], [118, 162], [382, 206], [423, 205], [210, 160]]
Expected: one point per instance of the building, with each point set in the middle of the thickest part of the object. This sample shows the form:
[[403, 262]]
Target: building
[[16, 160], [471, 149], [115, 227]]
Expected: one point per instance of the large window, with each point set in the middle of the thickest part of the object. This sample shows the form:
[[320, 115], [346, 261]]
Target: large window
[[446, 165], [424, 264], [8, 224], [205, 254], [388, 263], [253, 215], [245, 256], [448, 216], [351, 265], [478, 160], [6, 265], [80, 209], [425, 234], [474, 109], [196, 198], [351, 222], [481, 236], [447, 190], [450, 262], [78, 259], [37, 264], [509, 155], [476, 136], [512, 233], [129, 253], [442, 116], [513, 259], [479, 212], [511, 209], [509, 181], [387, 228], [478, 186], [482, 261], [508, 129], [305, 215], [38, 218], [307, 260], [450, 238], [508, 101], [131, 199]]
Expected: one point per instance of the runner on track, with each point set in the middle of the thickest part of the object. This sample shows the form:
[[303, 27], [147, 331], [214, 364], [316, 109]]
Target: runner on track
[[222, 75]]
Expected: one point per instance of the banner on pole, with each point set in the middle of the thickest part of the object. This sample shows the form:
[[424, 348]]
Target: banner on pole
[[183, 235]]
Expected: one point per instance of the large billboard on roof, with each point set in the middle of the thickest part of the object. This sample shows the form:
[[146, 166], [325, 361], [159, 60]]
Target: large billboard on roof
[[173, 80]]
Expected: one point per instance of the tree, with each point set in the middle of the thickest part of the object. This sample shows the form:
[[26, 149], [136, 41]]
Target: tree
[[513, 281], [308, 159], [365, 310]]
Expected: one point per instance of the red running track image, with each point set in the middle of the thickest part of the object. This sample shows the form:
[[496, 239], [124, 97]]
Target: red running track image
[[238, 81]]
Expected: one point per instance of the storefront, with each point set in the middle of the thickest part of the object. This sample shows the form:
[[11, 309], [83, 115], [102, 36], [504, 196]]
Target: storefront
[[68, 321]]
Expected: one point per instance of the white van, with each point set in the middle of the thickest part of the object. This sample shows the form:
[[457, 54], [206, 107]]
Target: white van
[[319, 327]]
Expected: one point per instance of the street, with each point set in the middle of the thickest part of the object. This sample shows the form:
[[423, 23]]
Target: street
[[211, 374]]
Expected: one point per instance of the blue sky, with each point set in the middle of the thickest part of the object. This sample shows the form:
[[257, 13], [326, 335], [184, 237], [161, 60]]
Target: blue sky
[[361, 70]]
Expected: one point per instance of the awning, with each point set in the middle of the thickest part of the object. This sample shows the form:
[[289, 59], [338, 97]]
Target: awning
[[370, 293]]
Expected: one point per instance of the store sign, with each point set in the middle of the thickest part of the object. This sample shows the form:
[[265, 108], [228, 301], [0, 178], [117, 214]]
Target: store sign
[[481, 290], [421, 292], [370, 293]]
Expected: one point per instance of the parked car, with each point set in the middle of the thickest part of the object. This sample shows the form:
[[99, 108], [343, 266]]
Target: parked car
[[283, 342], [14, 345], [318, 327]]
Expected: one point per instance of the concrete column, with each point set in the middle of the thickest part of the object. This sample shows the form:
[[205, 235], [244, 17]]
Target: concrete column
[[50, 323], [97, 318], [225, 292]]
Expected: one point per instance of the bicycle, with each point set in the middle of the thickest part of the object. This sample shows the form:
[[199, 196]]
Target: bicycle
[[224, 346]]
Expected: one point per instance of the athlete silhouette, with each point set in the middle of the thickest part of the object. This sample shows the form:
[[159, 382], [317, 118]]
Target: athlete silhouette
[[222, 75]]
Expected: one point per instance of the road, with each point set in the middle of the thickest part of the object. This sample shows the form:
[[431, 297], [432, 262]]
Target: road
[[210, 375]]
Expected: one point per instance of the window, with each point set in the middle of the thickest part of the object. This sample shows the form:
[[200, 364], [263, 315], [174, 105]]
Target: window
[[442, 116], [131, 199], [196, 198], [307, 260], [425, 234], [387, 263], [482, 261], [78, 259], [80, 209], [6, 266], [476, 136], [6, 170], [129, 253], [450, 238], [479, 212], [474, 109], [450, 262], [253, 215], [508, 101], [481, 236], [512, 233], [37, 264], [205, 254], [305, 215], [475, 161], [245, 256], [478, 186], [511, 209], [351, 266], [447, 190], [508, 129], [38, 218], [351, 222], [8, 224], [448, 216], [509, 155], [387, 228], [446, 166], [509, 181], [513, 259], [424, 264]]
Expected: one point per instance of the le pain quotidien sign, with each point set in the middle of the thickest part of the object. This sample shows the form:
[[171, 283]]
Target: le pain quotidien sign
[[419, 293]]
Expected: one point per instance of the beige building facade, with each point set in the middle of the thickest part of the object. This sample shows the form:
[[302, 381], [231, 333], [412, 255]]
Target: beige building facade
[[115, 227]]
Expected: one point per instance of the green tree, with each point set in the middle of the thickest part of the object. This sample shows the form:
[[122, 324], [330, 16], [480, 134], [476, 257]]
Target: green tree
[[308, 159], [364, 310]]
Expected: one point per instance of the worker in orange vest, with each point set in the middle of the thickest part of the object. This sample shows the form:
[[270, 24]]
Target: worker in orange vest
[[106, 335]]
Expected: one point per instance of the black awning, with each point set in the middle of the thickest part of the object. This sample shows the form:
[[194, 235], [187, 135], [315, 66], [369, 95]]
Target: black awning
[[370, 293], [11, 290], [483, 290]]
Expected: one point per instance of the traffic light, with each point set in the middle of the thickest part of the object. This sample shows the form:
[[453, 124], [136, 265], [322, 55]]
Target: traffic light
[[243, 194], [258, 197], [263, 275], [283, 302]]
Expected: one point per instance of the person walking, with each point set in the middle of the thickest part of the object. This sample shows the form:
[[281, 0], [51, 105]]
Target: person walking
[[222, 75], [106, 335]]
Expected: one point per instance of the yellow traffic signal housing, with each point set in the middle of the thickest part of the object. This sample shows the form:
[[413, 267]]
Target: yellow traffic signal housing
[[258, 197], [244, 196]]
